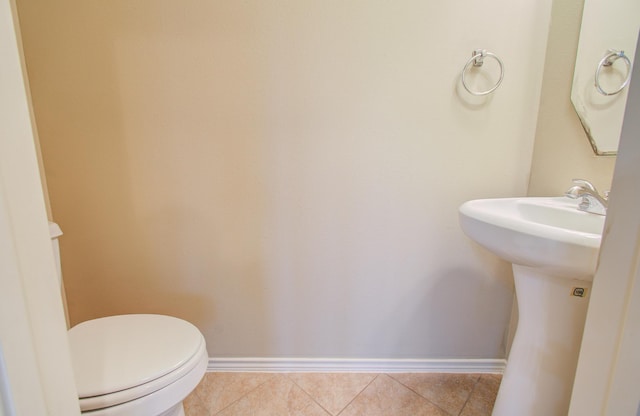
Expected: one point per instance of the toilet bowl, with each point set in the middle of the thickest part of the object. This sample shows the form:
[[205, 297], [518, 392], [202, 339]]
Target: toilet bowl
[[134, 365]]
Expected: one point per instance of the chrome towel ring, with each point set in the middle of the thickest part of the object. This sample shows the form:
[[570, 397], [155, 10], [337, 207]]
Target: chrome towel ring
[[477, 59], [608, 60]]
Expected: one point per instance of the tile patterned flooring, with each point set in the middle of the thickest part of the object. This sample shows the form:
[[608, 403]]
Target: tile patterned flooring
[[343, 394]]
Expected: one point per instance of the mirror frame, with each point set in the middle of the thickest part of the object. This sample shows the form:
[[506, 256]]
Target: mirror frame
[[606, 25]]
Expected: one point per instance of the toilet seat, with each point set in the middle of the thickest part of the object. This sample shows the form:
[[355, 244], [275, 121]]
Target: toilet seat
[[119, 359]]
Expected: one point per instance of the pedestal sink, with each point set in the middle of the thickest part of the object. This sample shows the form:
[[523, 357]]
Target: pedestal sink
[[553, 247]]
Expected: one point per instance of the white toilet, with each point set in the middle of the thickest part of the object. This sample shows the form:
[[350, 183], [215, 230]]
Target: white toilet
[[134, 365]]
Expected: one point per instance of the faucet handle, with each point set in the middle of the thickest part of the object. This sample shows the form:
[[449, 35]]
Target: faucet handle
[[585, 183]]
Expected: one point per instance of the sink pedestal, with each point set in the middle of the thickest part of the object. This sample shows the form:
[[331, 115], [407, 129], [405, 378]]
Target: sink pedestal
[[553, 247], [541, 367]]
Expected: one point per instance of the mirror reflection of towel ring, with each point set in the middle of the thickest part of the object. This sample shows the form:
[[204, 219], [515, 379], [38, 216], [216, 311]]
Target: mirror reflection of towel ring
[[608, 60], [477, 60]]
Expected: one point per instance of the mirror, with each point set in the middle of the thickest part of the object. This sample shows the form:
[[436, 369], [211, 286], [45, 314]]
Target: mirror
[[606, 48]]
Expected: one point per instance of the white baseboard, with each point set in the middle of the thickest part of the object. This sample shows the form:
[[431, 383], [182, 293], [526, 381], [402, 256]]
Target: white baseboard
[[354, 365]]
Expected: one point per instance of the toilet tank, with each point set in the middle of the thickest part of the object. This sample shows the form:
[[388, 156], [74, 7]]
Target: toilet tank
[[55, 232]]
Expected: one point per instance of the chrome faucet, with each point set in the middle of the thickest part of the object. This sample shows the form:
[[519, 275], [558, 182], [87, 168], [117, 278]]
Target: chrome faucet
[[591, 201]]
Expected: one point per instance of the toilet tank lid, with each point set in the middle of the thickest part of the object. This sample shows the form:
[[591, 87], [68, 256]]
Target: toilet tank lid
[[54, 230], [121, 352]]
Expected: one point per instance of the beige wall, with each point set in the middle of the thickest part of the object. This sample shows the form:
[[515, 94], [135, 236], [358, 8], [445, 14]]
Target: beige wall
[[286, 174], [562, 150]]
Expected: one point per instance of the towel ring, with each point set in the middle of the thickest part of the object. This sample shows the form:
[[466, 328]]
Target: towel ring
[[608, 60], [477, 59]]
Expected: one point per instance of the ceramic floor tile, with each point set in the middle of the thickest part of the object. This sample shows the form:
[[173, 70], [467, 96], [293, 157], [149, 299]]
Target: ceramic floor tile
[[333, 391], [193, 406], [385, 396], [483, 397], [219, 390], [280, 396], [448, 391]]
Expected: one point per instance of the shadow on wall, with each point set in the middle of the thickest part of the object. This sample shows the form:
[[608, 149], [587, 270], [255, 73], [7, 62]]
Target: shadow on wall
[[482, 312], [475, 307], [158, 198]]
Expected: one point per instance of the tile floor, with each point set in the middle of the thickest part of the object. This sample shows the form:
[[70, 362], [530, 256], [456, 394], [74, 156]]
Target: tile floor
[[343, 394]]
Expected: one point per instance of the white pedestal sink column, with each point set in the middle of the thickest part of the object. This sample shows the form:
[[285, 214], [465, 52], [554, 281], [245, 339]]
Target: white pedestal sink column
[[553, 247], [541, 366]]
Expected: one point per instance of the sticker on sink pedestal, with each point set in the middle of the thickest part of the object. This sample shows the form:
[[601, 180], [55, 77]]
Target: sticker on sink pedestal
[[579, 292]]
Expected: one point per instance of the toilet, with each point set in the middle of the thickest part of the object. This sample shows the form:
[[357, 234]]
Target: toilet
[[134, 365]]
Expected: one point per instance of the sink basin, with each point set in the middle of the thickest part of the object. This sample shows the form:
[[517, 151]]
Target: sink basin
[[553, 248], [546, 233]]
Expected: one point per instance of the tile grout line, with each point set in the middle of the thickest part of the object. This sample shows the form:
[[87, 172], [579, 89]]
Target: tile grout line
[[199, 401], [345, 406], [211, 413], [206, 406], [307, 393], [359, 393], [434, 404], [469, 396]]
